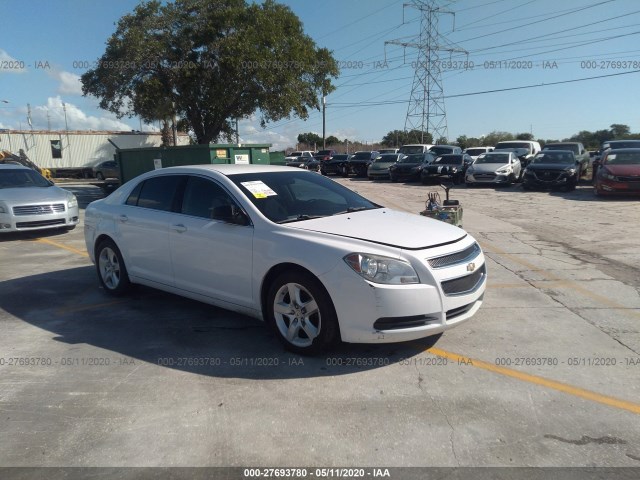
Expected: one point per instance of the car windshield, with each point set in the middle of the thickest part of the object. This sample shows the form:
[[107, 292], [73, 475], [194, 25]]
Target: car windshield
[[295, 154], [475, 151], [22, 178], [493, 158], [623, 158], [563, 146], [506, 145], [285, 197], [410, 149], [386, 158], [554, 157], [415, 158], [340, 157], [440, 150], [621, 144], [449, 160], [361, 156]]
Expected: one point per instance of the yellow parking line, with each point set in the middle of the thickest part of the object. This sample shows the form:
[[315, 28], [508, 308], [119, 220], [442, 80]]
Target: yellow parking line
[[554, 279], [559, 386], [60, 245]]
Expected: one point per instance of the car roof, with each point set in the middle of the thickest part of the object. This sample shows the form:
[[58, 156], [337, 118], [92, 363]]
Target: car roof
[[228, 169], [628, 149], [556, 151]]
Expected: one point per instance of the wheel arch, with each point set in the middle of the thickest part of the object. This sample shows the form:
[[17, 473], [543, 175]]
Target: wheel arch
[[288, 267]]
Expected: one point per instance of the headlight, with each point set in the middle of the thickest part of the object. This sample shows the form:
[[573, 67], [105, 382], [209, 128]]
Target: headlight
[[382, 269], [606, 174], [72, 201], [3, 208], [505, 169], [571, 171]]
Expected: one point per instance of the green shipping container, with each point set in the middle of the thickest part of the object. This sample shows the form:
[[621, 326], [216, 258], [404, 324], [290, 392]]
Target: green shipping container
[[136, 161]]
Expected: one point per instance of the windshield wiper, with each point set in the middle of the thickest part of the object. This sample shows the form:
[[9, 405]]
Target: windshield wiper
[[354, 209], [300, 217]]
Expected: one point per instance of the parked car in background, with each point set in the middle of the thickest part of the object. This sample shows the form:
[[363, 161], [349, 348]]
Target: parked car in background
[[28, 201], [448, 167], [299, 155], [552, 169], [497, 167], [611, 145], [315, 260], [437, 150], [412, 148], [336, 166], [359, 162], [388, 150], [619, 172], [530, 149], [582, 155], [306, 163], [379, 167], [107, 169], [474, 152], [324, 155], [409, 167]]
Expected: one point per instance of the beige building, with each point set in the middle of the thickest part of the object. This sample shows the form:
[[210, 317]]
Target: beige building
[[76, 150]]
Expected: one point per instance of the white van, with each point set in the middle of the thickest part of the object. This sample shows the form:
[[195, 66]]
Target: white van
[[474, 152], [415, 148]]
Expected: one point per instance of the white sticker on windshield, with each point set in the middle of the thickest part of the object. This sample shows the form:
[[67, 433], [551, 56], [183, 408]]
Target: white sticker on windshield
[[258, 189], [611, 157], [540, 155]]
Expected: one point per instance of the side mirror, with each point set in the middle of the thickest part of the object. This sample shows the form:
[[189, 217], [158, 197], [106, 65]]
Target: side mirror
[[230, 214]]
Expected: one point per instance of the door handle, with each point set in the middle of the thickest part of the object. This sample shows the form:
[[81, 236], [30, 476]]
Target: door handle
[[123, 218], [179, 228]]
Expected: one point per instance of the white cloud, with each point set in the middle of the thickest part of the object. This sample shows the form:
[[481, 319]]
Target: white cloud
[[76, 119], [8, 64], [69, 83]]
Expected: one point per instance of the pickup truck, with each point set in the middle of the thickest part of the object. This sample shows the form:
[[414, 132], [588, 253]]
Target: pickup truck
[[581, 154]]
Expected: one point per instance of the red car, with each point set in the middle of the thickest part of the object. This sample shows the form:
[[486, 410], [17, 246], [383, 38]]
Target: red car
[[619, 172]]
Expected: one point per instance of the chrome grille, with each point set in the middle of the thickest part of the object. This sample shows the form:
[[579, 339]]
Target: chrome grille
[[465, 255], [466, 284], [42, 223], [38, 209]]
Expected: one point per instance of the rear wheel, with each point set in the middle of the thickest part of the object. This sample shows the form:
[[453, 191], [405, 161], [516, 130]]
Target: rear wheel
[[301, 313], [112, 271]]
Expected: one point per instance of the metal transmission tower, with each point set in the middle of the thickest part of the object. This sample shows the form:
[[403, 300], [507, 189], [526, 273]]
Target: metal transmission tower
[[426, 112]]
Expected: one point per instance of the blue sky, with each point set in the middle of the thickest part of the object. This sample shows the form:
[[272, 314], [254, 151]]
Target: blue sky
[[56, 38]]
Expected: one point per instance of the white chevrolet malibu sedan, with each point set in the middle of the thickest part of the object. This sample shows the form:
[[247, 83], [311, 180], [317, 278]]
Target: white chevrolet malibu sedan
[[315, 260]]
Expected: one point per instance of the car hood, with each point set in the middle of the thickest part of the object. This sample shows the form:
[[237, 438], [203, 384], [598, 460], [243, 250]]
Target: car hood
[[550, 166], [32, 195], [623, 170], [487, 167], [407, 166], [386, 227]]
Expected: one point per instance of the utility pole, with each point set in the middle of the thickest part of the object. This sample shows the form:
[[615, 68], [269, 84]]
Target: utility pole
[[324, 110], [426, 110]]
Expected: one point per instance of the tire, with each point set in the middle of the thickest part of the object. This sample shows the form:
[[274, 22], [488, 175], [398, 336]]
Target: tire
[[111, 269], [344, 172], [100, 176], [298, 330]]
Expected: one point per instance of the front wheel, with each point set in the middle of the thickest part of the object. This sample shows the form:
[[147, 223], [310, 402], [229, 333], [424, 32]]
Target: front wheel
[[112, 271], [301, 313]]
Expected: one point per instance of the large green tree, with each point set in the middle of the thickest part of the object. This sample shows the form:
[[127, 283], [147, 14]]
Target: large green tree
[[211, 62], [397, 138]]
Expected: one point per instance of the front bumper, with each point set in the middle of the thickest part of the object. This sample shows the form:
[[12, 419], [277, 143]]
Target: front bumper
[[375, 313], [614, 187], [9, 222], [532, 179], [495, 178]]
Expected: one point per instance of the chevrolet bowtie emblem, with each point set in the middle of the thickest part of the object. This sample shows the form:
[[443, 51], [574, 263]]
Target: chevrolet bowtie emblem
[[471, 267]]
